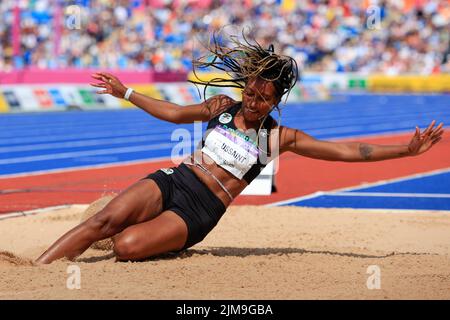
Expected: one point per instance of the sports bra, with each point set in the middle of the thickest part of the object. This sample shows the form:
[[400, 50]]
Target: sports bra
[[236, 151]]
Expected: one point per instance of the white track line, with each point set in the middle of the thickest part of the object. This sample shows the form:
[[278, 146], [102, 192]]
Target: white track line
[[131, 162], [79, 143], [78, 136], [175, 160], [362, 185], [97, 152], [388, 194], [35, 211]]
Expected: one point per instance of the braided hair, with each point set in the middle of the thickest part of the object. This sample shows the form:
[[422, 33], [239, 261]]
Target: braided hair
[[246, 60]]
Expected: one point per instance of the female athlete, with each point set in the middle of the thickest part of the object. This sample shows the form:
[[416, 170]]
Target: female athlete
[[174, 208]]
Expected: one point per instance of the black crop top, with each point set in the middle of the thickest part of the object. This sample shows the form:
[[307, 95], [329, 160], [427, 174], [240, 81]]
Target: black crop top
[[235, 150]]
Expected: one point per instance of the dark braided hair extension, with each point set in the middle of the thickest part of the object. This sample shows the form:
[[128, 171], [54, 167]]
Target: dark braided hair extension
[[244, 61]]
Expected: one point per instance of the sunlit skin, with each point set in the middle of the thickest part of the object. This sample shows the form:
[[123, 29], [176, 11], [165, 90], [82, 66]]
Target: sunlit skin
[[135, 220], [258, 98]]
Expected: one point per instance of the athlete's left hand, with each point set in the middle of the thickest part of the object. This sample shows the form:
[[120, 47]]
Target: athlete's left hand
[[422, 142], [110, 84]]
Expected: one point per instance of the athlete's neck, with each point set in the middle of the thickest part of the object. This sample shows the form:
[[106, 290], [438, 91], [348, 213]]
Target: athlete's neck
[[248, 124]]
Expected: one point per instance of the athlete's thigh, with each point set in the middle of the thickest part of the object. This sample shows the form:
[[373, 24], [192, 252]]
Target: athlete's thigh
[[140, 202], [167, 232]]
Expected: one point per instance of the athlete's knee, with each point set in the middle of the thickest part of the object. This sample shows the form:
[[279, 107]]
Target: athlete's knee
[[125, 247], [108, 221]]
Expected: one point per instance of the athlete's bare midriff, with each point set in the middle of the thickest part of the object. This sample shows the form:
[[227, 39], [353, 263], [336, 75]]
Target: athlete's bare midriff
[[231, 183]]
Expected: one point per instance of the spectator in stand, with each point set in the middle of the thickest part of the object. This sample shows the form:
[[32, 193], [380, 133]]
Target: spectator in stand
[[322, 35]]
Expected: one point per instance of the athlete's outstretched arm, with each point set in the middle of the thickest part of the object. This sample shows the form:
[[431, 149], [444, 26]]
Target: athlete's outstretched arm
[[161, 109], [303, 144]]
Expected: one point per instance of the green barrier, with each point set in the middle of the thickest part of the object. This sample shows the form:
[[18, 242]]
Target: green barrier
[[357, 83], [87, 97]]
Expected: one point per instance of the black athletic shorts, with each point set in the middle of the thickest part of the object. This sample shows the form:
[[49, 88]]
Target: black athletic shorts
[[189, 197]]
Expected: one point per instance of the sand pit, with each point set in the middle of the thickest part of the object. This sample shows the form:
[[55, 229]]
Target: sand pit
[[254, 253]]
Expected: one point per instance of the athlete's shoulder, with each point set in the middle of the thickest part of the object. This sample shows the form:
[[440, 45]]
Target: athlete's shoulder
[[218, 104], [287, 131], [288, 136], [273, 123]]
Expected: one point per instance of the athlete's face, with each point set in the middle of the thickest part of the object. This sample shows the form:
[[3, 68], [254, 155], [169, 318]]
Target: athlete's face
[[258, 98]]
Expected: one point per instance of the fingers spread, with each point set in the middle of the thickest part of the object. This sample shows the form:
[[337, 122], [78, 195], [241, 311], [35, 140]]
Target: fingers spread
[[438, 133], [436, 140], [417, 133], [100, 77], [429, 127], [109, 75], [98, 85]]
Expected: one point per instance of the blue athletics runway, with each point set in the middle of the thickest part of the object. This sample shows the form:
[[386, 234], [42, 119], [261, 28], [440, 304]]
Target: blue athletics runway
[[59, 141]]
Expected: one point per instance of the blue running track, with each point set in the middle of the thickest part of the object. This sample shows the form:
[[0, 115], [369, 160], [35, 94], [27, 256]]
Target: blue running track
[[52, 141], [426, 192]]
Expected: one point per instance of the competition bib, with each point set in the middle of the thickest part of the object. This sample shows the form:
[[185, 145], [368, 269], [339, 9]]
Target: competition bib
[[232, 150]]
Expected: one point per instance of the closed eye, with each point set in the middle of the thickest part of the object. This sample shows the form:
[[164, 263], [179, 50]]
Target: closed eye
[[260, 97]]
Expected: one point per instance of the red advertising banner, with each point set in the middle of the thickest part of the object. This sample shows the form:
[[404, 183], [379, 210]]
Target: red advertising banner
[[43, 98]]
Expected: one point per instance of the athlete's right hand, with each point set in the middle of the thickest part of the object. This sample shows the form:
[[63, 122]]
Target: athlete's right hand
[[110, 84]]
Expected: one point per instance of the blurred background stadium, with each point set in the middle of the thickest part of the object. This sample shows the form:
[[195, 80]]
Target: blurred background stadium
[[370, 69], [331, 36]]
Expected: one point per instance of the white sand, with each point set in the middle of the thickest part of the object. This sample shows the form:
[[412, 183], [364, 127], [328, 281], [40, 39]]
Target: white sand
[[253, 253]]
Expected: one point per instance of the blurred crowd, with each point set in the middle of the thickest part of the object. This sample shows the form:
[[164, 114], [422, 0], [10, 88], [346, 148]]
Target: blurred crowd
[[385, 36]]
